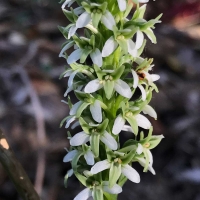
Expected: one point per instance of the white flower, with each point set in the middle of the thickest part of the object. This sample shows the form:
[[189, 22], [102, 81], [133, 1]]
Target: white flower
[[67, 3], [88, 192], [85, 18], [94, 54], [119, 86], [88, 155], [82, 138], [111, 44], [122, 5], [150, 111], [126, 170], [119, 123], [95, 109]]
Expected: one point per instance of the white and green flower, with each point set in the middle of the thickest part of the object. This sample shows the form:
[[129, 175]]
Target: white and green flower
[[94, 133], [88, 155], [124, 169], [110, 82], [95, 13], [98, 188]]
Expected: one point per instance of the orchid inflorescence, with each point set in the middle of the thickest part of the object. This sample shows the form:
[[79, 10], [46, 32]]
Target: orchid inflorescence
[[113, 85]]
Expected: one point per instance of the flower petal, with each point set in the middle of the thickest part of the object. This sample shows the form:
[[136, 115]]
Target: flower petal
[[79, 139], [131, 173], [100, 166], [96, 57], [67, 2], [68, 90], [83, 20], [72, 31], [150, 156], [69, 121], [108, 20], [122, 5], [109, 140], [143, 1], [84, 194], [89, 157], [65, 48], [96, 112], [155, 77], [70, 156], [71, 78], [93, 86], [74, 56], [127, 128], [135, 79], [109, 47], [139, 149], [132, 48], [143, 162], [118, 125], [116, 189], [123, 88], [75, 125], [139, 39], [79, 10], [150, 111], [144, 95], [75, 107], [142, 121]]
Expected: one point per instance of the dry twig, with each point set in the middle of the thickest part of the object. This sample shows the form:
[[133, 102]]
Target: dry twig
[[15, 171]]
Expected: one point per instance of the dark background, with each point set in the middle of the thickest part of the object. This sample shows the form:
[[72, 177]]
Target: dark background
[[30, 95]]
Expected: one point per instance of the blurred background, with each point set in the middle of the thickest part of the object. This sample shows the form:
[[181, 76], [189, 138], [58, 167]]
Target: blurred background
[[31, 94]]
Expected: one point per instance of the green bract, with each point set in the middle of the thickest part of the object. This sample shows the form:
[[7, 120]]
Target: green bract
[[113, 86]]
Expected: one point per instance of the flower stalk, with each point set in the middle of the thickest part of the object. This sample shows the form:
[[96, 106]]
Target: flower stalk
[[113, 85]]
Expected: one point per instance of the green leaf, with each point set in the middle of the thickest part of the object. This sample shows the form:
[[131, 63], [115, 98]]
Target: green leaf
[[122, 180], [85, 54], [66, 180], [63, 121], [69, 15], [133, 124], [75, 161], [118, 72], [84, 125], [102, 127], [86, 6], [99, 73], [94, 142], [97, 193], [108, 88], [129, 157], [81, 178], [128, 9], [151, 35], [127, 148], [82, 108], [81, 95], [155, 140], [96, 18], [123, 44], [142, 11], [114, 173]]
